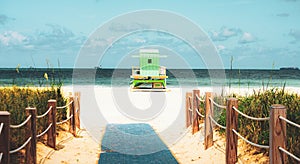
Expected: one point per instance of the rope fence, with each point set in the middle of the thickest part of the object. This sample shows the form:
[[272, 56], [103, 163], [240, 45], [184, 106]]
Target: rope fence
[[290, 154], [216, 104], [44, 132], [282, 149], [250, 117], [249, 142], [1, 154], [199, 99], [64, 121], [188, 110], [21, 147], [201, 115], [21, 124], [193, 114], [30, 122], [62, 107], [289, 122], [1, 127], [190, 101], [277, 123], [216, 123], [43, 115]]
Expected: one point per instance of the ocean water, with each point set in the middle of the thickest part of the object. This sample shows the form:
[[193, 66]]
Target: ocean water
[[176, 77]]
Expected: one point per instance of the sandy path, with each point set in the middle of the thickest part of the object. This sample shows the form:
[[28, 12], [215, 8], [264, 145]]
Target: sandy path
[[81, 149], [188, 150], [169, 124]]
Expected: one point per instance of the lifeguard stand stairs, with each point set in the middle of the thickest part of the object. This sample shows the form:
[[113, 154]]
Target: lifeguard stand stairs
[[150, 75]]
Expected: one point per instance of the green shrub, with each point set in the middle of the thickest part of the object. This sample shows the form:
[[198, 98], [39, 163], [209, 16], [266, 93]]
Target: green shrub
[[16, 99], [258, 105]]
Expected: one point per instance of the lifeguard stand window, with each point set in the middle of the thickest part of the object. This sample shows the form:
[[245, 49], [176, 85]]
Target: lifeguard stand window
[[149, 61]]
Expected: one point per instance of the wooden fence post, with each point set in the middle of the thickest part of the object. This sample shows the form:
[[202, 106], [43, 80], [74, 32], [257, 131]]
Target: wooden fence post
[[72, 113], [277, 134], [208, 130], [51, 134], [195, 123], [77, 109], [190, 101], [231, 137], [30, 156], [4, 136], [187, 107]]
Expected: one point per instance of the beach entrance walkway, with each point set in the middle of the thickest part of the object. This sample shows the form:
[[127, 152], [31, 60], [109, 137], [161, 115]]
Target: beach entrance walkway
[[133, 143]]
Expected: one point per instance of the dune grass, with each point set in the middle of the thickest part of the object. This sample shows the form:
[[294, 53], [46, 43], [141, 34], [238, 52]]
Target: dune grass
[[16, 99], [258, 105]]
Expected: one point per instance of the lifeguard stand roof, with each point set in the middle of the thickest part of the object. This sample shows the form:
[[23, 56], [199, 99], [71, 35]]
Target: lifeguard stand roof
[[156, 51]]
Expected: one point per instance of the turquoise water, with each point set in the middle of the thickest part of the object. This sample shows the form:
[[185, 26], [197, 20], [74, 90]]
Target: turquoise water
[[177, 77]]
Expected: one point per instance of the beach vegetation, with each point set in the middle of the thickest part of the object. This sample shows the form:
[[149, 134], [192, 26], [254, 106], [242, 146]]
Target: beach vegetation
[[258, 105], [33, 76], [22, 94], [16, 99]]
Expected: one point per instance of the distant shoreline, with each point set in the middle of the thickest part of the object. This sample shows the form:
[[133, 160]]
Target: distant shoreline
[[176, 77], [227, 69]]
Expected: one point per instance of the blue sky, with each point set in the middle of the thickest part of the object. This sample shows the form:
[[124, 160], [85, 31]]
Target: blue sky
[[258, 34]]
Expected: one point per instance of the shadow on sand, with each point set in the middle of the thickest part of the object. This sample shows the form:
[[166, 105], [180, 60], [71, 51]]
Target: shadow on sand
[[133, 143]]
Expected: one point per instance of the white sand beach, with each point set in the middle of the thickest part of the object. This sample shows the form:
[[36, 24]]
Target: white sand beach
[[164, 111]]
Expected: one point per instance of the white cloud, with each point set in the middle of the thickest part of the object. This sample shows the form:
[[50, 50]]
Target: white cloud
[[139, 40], [55, 37], [247, 38], [53, 40], [123, 27], [4, 19], [11, 38], [221, 47], [295, 33], [283, 15], [224, 33], [29, 46], [228, 32]]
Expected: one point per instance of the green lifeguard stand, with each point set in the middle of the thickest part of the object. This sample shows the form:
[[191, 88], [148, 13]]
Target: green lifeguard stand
[[150, 75]]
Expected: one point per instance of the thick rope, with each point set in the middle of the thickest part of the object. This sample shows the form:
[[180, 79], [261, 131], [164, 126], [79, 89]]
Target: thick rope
[[43, 115], [45, 131], [201, 115], [1, 154], [21, 147], [22, 124], [249, 117], [216, 123], [64, 121], [290, 122], [1, 127], [61, 107], [249, 142], [201, 100], [220, 106], [290, 154]]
